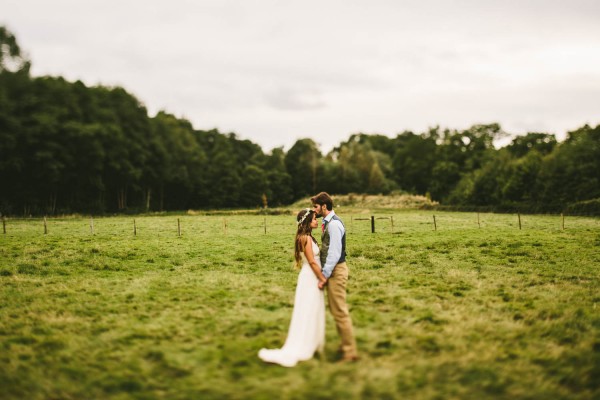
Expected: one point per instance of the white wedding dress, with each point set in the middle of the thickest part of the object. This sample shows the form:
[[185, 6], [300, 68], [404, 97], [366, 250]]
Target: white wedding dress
[[307, 328]]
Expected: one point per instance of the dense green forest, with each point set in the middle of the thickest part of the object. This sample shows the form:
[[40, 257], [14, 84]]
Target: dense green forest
[[66, 147]]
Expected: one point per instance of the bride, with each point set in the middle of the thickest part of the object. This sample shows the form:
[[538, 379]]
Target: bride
[[307, 328]]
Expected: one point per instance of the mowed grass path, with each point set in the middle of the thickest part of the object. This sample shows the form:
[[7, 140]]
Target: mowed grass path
[[458, 313]]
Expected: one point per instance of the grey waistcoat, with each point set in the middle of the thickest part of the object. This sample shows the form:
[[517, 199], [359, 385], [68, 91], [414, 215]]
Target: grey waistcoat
[[325, 240]]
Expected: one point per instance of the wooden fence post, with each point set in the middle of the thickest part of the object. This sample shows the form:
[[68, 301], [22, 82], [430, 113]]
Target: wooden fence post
[[519, 215], [4, 224], [45, 226], [478, 224], [265, 225], [134, 228], [434, 224], [178, 227], [372, 224]]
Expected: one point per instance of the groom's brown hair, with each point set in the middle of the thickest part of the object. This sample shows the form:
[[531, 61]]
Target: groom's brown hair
[[323, 198]]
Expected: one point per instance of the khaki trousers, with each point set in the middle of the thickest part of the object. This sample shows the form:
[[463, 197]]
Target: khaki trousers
[[336, 295]]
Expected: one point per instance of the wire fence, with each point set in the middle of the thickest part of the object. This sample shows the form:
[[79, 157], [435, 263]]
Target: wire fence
[[392, 223]]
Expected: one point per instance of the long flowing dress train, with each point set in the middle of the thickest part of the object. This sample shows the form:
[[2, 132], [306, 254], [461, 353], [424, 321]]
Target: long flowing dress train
[[306, 334]]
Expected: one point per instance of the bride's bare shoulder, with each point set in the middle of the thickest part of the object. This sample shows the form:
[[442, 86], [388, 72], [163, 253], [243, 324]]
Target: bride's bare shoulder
[[305, 239]]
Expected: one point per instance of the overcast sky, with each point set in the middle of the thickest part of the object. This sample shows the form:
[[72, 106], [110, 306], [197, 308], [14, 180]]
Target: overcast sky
[[276, 71]]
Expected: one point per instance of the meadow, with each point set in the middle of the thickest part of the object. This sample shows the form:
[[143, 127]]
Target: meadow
[[467, 311]]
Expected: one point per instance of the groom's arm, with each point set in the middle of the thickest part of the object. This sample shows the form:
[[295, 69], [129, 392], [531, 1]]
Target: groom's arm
[[336, 231]]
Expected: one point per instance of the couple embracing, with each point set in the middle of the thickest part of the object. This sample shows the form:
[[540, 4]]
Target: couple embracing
[[322, 269]]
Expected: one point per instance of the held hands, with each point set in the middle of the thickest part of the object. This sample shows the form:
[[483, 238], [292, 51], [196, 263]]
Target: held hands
[[322, 283]]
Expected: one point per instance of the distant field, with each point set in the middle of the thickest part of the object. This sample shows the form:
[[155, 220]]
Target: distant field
[[464, 312]]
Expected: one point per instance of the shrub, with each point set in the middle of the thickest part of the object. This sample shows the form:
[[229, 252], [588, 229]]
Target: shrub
[[587, 207]]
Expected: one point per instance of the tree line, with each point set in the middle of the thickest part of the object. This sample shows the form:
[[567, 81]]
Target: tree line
[[66, 147]]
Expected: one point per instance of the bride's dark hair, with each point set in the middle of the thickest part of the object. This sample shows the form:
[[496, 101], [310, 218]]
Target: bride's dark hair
[[304, 219]]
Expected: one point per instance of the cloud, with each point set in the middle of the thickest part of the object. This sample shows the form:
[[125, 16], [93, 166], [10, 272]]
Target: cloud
[[292, 99], [276, 71]]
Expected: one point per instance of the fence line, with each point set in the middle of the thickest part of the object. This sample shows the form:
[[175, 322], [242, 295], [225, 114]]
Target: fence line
[[265, 223]]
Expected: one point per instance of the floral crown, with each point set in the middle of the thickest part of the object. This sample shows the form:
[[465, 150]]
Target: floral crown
[[308, 210]]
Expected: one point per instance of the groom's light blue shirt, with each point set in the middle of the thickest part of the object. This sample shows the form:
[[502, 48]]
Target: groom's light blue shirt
[[336, 232]]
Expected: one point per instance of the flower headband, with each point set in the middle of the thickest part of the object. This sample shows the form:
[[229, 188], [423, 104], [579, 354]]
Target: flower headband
[[308, 210]]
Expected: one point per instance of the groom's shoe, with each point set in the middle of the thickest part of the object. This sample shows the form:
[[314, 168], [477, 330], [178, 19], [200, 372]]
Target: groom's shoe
[[349, 359]]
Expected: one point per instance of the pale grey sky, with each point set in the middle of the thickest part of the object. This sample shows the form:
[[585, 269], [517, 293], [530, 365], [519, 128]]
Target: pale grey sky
[[274, 71]]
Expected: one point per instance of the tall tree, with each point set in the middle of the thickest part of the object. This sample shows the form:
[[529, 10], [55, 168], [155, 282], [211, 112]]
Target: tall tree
[[521, 183], [254, 186], [11, 57], [302, 163], [279, 181], [414, 159], [177, 171], [571, 173], [224, 177]]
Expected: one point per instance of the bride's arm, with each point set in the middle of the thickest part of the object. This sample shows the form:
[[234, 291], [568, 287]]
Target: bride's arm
[[310, 257]]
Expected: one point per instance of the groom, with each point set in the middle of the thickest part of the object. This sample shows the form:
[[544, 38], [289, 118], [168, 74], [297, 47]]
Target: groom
[[333, 262]]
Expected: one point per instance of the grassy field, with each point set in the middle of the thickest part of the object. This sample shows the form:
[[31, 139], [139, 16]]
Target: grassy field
[[464, 312]]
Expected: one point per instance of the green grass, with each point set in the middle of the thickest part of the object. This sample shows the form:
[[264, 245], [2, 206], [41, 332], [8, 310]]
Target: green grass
[[458, 313]]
